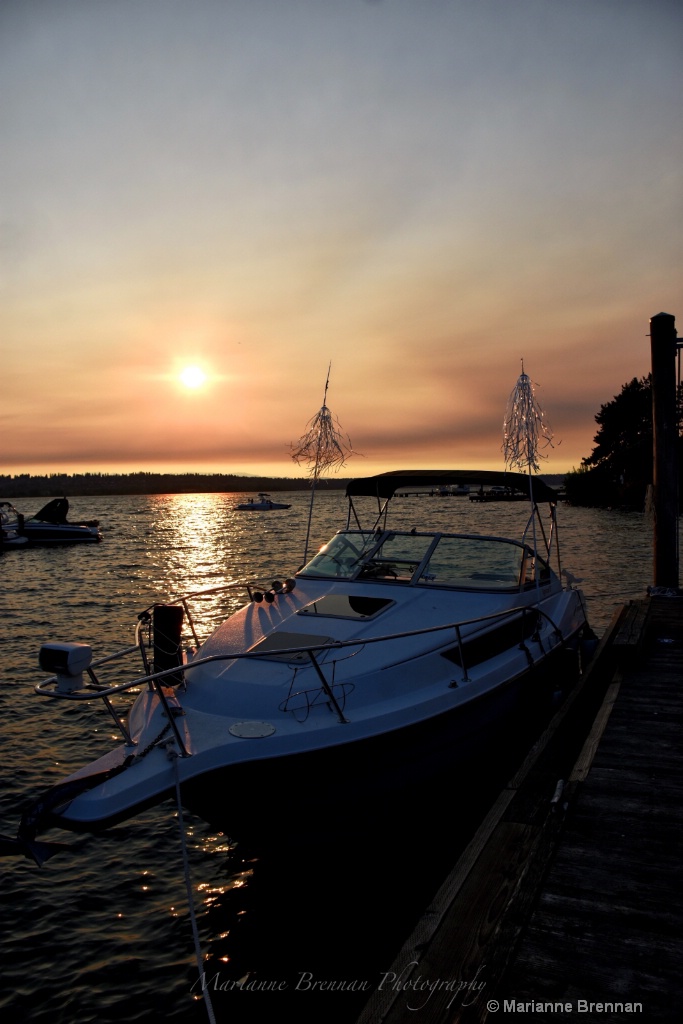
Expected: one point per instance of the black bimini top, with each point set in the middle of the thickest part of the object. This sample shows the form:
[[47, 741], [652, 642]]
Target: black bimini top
[[385, 485]]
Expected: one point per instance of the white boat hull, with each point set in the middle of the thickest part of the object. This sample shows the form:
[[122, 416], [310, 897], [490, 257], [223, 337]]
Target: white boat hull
[[241, 767], [391, 656]]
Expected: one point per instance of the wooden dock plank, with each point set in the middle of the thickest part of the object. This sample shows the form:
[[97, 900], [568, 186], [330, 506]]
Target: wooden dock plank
[[609, 919], [577, 899]]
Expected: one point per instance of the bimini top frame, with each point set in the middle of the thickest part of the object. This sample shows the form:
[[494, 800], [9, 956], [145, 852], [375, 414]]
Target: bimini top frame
[[384, 486]]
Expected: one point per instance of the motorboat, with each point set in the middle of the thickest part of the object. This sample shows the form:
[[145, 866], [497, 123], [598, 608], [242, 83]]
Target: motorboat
[[390, 654], [9, 532], [51, 526], [263, 503]]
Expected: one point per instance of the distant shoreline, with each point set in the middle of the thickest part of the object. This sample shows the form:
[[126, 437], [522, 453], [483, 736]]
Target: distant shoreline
[[58, 485], [24, 485]]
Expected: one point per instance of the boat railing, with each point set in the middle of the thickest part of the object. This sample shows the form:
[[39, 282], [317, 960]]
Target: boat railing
[[253, 589], [165, 681]]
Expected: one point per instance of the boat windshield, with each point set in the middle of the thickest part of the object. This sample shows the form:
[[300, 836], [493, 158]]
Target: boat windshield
[[431, 559], [343, 556], [478, 562]]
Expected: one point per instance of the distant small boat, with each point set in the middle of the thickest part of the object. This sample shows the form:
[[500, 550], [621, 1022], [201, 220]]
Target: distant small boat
[[264, 503]]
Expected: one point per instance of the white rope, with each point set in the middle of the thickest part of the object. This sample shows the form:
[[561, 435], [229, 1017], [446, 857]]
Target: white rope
[[188, 886]]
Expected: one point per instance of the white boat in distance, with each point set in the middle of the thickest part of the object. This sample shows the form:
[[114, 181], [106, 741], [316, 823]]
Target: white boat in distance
[[264, 504], [394, 649]]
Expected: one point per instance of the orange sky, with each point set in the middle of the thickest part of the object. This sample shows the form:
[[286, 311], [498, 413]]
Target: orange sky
[[422, 194]]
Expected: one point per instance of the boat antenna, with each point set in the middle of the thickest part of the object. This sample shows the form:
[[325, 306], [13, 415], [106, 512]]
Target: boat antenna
[[525, 433], [323, 447]]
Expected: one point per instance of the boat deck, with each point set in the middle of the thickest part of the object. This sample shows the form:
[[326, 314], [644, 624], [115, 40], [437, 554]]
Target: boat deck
[[569, 894]]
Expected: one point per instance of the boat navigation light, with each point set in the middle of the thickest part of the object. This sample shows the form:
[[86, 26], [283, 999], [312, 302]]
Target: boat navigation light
[[67, 662], [278, 588]]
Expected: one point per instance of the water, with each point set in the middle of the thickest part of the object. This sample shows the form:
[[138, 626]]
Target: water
[[102, 932]]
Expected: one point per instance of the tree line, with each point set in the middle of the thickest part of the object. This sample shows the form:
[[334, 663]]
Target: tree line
[[26, 485]]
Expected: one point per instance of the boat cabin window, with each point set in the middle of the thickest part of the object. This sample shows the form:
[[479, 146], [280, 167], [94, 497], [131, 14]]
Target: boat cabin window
[[346, 606]]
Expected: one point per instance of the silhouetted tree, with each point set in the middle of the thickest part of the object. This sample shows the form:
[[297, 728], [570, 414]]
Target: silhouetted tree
[[619, 469]]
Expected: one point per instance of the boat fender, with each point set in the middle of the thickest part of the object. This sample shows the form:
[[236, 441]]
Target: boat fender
[[588, 646]]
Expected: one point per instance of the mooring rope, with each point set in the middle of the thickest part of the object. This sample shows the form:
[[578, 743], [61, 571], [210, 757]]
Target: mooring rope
[[173, 754]]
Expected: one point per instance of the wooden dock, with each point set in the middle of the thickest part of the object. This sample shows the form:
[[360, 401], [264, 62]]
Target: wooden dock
[[567, 902]]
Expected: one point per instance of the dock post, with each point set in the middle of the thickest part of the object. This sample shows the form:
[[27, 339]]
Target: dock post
[[665, 450]]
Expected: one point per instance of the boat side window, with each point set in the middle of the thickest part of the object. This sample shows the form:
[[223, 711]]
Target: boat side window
[[485, 563]]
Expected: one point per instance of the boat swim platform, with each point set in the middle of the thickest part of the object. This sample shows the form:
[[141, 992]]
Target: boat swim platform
[[566, 904]]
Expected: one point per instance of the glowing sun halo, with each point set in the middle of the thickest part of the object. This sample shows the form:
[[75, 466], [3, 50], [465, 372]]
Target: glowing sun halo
[[192, 377]]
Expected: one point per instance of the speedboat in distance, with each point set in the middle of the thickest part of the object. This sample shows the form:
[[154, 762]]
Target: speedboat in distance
[[264, 503], [390, 654]]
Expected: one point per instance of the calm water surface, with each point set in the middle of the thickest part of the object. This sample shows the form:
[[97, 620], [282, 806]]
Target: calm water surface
[[102, 932]]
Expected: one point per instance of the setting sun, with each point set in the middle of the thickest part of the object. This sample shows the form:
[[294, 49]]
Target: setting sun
[[192, 377]]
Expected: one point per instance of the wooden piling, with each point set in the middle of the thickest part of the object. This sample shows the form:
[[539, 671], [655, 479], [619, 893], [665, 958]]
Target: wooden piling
[[665, 450]]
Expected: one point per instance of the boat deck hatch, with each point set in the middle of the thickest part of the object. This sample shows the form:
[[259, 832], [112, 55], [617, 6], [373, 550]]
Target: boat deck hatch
[[347, 606], [284, 641]]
